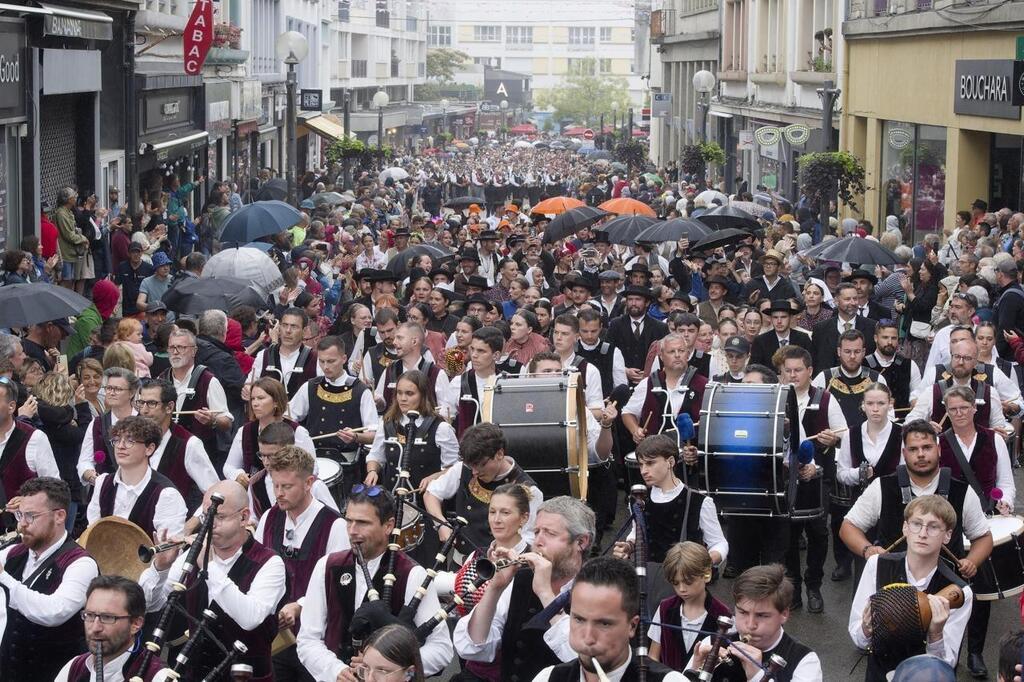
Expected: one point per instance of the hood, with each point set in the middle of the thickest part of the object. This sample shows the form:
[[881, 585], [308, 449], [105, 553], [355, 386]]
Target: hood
[[233, 340], [105, 296]]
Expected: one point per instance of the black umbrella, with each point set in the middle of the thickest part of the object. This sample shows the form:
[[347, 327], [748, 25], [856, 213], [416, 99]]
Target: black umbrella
[[460, 203], [399, 263], [22, 305], [571, 221], [624, 229], [193, 295], [259, 219], [723, 237], [274, 189], [853, 249], [729, 216], [674, 230]]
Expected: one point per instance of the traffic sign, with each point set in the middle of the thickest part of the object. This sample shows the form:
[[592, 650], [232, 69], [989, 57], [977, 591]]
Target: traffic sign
[[588, 134]]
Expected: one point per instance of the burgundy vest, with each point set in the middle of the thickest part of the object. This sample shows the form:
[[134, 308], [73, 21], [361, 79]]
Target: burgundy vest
[[816, 420], [101, 443], [982, 460], [80, 673], [251, 444], [199, 383], [299, 561], [674, 653], [984, 395], [655, 406], [142, 512], [172, 465], [13, 464]]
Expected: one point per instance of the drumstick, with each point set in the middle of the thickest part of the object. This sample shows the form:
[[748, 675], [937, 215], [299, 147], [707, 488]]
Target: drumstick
[[949, 553], [335, 434], [836, 432], [212, 412], [903, 409], [943, 420], [893, 545]]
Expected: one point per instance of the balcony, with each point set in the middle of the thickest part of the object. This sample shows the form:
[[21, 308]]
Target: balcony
[[226, 56], [359, 69], [582, 47], [343, 70], [866, 9], [519, 47], [383, 19], [687, 7]]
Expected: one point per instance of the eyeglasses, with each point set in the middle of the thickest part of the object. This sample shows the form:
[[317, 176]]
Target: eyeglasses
[[930, 529], [963, 358], [114, 389], [179, 349], [151, 404], [219, 518], [368, 490], [367, 674], [29, 517], [959, 410], [105, 618], [123, 441]]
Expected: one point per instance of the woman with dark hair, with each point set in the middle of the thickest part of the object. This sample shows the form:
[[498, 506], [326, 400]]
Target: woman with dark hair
[[922, 291], [18, 267], [525, 341], [158, 346], [317, 325], [391, 653], [542, 309], [455, 358], [42, 269], [816, 308], [432, 341]]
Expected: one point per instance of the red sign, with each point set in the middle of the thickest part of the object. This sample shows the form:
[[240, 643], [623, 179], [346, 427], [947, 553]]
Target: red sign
[[198, 36], [588, 134]]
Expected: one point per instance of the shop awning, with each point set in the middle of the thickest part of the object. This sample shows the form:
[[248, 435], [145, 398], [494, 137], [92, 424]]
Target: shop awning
[[68, 22], [173, 140], [326, 126]]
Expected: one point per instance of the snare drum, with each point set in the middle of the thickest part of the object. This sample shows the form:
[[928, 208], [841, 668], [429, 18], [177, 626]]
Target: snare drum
[[843, 495], [543, 417], [810, 498], [743, 445], [1002, 575], [633, 476], [329, 471]]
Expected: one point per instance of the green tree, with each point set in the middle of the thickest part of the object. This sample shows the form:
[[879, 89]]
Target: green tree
[[442, 62], [584, 95]]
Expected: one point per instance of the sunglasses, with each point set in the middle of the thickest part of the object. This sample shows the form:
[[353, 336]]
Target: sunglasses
[[368, 490]]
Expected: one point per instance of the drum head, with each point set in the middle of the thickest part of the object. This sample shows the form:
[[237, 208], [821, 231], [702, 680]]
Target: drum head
[[327, 470], [114, 543]]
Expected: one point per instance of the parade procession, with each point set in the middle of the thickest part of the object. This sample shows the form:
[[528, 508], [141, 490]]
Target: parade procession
[[596, 341]]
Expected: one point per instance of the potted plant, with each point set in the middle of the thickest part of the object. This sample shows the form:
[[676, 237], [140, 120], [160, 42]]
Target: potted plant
[[345, 148], [824, 175], [227, 35], [696, 157]]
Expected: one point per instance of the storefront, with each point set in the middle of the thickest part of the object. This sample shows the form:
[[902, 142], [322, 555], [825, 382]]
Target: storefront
[[218, 127], [14, 74], [941, 132]]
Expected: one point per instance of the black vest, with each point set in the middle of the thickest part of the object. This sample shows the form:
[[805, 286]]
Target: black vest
[[380, 359], [424, 457], [897, 377], [790, 649], [472, 500], [602, 357], [672, 522], [332, 408], [891, 456], [896, 495], [570, 672], [850, 392], [523, 650]]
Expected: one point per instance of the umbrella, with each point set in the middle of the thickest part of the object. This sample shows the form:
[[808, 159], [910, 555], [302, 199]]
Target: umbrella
[[460, 203], [540, 144], [22, 305], [262, 246], [332, 198], [723, 237], [674, 230], [624, 229], [522, 144], [193, 295], [558, 145], [653, 177], [399, 263], [259, 219], [569, 222], [627, 206], [396, 173], [709, 195], [601, 155], [275, 189], [750, 207], [618, 166], [556, 205], [249, 264], [852, 249], [729, 216], [307, 204]]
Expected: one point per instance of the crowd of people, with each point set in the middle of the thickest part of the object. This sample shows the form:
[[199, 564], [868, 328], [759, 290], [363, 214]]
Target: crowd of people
[[332, 463]]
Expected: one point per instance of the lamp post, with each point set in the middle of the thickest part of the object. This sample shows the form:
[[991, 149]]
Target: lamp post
[[600, 135], [628, 136], [444, 115], [829, 95], [615, 118], [703, 85], [380, 100], [347, 124], [291, 47], [503, 105]]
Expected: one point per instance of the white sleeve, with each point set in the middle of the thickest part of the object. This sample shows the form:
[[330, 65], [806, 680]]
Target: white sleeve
[[303, 440], [323, 493], [710, 526], [39, 455], [233, 463], [448, 442], [618, 369], [198, 465], [92, 512], [845, 472], [248, 609], [441, 389], [975, 523], [216, 399], [865, 588], [487, 650], [314, 655], [923, 407], [654, 631], [557, 639], [376, 453], [436, 653], [62, 676], [257, 368], [366, 371], [635, 404], [595, 394], [836, 418], [819, 380], [51, 610], [915, 379], [338, 539], [865, 511], [87, 454], [996, 419], [452, 400], [1004, 472], [368, 411], [1007, 388], [170, 512], [445, 486], [948, 648], [298, 406]]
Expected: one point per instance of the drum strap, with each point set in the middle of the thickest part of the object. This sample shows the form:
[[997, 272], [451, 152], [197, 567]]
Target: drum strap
[[684, 531], [903, 479], [965, 468]]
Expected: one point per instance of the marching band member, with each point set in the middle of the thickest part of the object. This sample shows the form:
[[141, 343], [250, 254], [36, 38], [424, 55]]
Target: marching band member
[[601, 354], [301, 529], [45, 578], [180, 456], [675, 388], [466, 390], [928, 523], [335, 401], [901, 374], [369, 365], [119, 388], [261, 486], [268, 401], [603, 615], [338, 587], [244, 587], [409, 349], [485, 467], [25, 451], [391, 651], [634, 331], [287, 359], [519, 616], [762, 596], [687, 569], [565, 333], [878, 442], [115, 608], [135, 491]]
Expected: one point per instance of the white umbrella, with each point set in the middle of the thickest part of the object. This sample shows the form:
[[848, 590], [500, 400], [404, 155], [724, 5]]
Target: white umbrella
[[710, 195], [522, 144], [396, 173], [244, 263]]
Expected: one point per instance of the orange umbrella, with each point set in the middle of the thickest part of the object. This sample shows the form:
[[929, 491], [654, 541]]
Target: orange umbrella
[[557, 205], [627, 206]]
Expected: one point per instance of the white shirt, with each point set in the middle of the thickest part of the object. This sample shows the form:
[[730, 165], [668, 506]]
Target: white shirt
[[923, 407], [235, 459], [915, 371], [1005, 388], [298, 406], [87, 455], [216, 400], [366, 374], [440, 385], [710, 526], [807, 670], [444, 437], [866, 510], [323, 664], [618, 364], [286, 369], [635, 405], [377, 260], [246, 609], [38, 453], [170, 508], [320, 492], [615, 675], [1004, 471], [454, 399], [111, 669], [947, 648], [939, 353], [47, 610], [689, 636], [871, 451], [197, 462], [594, 392]]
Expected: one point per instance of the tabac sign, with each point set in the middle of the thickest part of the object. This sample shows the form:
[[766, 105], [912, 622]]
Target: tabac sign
[[198, 36], [987, 87]]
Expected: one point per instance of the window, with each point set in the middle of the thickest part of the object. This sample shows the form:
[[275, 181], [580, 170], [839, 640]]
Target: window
[[266, 27], [344, 10], [581, 35], [519, 35], [487, 34], [493, 62], [815, 29], [439, 36], [734, 36], [581, 67], [914, 176], [771, 37], [606, 66], [606, 34]]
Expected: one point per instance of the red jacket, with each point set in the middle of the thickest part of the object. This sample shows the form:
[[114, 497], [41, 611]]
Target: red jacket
[[47, 235]]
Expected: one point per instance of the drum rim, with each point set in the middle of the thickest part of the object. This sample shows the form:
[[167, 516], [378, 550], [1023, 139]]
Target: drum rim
[[1001, 540], [994, 596]]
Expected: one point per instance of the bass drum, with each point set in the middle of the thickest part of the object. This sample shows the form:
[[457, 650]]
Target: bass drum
[[114, 543], [544, 419], [742, 440]]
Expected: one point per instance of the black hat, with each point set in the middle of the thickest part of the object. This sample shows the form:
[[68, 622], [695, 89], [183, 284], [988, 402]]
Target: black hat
[[156, 306], [639, 291], [383, 276], [135, 246], [480, 298], [477, 281], [717, 280], [488, 234], [402, 232], [737, 344], [440, 271], [575, 279], [600, 236], [469, 254], [781, 306], [862, 274], [416, 273], [515, 239], [639, 266], [365, 273]]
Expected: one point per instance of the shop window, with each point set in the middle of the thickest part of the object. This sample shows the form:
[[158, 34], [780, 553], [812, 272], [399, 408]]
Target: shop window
[[914, 177], [771, 36]]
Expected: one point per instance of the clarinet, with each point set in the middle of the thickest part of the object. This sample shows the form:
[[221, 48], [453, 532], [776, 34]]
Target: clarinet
[[193, 641], [237, 649], [707, 670], [188, 569], [99, 662], [638, 493], [400, 491], [408, 612]]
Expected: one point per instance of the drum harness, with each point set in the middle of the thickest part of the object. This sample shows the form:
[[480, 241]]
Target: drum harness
[[967, 472]]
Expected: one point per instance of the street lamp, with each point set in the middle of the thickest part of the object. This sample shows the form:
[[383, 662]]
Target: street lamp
[[380, 100], [704, 85], [291, 47], [615, 117], [504, 116], [444, 115]]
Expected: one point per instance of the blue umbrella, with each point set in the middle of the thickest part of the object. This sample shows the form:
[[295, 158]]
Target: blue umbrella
[[259, 219], [307, 203], [262, 246]]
